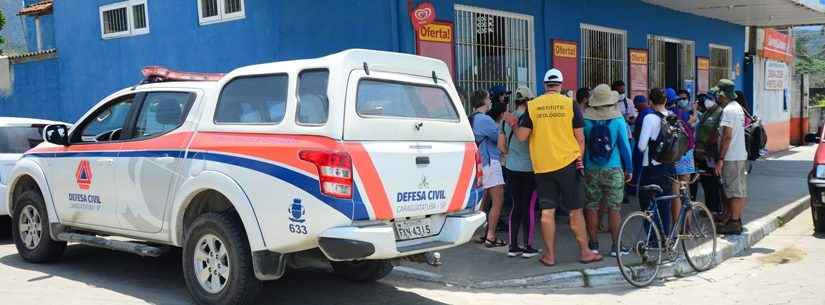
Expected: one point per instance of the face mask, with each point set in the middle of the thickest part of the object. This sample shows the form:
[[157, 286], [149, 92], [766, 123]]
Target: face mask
[[684, 104], [622, 96], [519, 111], [709, 103]]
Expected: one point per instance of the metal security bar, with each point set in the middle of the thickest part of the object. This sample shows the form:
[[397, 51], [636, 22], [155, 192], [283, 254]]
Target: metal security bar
[[603, 55], [661, 62], [720, 63], [493, 48], [115, 21]]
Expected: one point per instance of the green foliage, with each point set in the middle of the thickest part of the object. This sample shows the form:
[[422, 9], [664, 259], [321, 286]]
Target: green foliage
[[810, 57], [2, 24]]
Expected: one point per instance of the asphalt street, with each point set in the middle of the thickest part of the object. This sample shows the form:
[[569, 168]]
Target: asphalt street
[[784, 268]]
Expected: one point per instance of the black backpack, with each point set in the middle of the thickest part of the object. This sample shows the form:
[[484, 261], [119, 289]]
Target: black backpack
[[672, 142], [755, 139]]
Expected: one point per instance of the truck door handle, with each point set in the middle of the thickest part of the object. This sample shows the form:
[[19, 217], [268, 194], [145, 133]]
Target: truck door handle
[[424, 160], [106, 161], [165, 160]]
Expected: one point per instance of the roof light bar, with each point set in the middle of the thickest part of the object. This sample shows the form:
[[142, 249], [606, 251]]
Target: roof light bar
[[156, 74]]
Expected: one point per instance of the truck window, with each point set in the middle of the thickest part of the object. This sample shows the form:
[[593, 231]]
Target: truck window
[[161, 112], [107, 123], [313, 103], [19, 139], [253, 100], [380, 98]]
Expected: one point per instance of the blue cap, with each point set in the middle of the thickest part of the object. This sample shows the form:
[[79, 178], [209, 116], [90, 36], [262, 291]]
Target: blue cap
[[499, 90], [671, 95], [639, 99]]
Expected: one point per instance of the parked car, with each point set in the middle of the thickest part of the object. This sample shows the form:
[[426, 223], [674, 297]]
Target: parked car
[[359, 159], [17, 135], [816, 182]]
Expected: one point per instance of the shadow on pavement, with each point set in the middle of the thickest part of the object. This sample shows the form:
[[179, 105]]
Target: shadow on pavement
[[159, 280]]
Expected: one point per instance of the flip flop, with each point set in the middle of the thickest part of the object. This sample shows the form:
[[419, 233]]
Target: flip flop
[[546, 264], [598, 259], [494, 243]]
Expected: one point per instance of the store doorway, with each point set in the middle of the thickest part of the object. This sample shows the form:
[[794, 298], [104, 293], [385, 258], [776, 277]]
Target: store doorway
[[672, 62]]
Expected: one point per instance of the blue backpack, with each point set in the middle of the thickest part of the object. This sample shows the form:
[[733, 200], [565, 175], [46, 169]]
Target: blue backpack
[[600, 143]]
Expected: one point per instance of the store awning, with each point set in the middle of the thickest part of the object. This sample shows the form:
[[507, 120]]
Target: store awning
[[41, 8], [763, 13]]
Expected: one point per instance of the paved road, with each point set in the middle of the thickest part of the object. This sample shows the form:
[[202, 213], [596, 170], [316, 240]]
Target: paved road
[[785, 268]]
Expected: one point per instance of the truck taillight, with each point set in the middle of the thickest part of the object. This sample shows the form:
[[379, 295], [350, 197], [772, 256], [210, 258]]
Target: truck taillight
[[334, 172], [479, 170]]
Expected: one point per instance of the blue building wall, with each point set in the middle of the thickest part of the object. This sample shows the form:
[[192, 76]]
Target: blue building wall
[[35, 91], [89, 67]]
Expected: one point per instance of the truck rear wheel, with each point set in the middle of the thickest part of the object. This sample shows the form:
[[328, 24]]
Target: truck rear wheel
[[363, 271], [818, 213], [30, 229], [217, 261]]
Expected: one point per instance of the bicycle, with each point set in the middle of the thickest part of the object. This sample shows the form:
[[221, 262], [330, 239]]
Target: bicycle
[[694, 230]]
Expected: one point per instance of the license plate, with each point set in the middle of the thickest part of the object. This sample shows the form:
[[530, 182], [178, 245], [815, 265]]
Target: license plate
[[413, 229]]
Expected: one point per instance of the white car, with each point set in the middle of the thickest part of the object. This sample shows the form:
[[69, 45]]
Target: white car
[[359, 158], [17, 135]]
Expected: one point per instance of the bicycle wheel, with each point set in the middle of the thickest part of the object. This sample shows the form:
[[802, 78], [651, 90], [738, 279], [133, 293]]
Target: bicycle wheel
[[698, 237], [641, 236]]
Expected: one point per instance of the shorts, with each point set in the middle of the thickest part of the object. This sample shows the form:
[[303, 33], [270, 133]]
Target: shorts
[[686, 166], [492, 175], [735, 179], [563, 188], [604, 185]]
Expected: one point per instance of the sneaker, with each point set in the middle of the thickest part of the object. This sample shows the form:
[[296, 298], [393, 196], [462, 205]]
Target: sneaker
[[513, 252], [732, 227], [623, 252], [529, 252], [594, 246]]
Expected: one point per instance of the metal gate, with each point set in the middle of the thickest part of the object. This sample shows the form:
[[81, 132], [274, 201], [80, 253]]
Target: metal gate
[[603, 58], [720, 63], [658, 61], [493, 48]]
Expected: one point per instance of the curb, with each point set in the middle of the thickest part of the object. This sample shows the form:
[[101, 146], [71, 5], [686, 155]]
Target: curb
[[727, 247]]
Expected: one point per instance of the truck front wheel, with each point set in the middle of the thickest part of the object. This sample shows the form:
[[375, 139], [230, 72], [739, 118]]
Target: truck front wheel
[[362, 271], [30, 229], [217, 262]]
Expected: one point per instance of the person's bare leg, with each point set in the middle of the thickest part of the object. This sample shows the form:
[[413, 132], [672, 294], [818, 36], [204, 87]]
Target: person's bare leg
[[580, 233], [592, 217], [614, 219], [497, 200], [602, 212], [548, 234], [737, 206]]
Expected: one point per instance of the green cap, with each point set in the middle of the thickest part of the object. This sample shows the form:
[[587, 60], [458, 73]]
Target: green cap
[[726, 88]]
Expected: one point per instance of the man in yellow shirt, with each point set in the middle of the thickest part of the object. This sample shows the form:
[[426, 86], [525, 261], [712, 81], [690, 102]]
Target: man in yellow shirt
[[554, 126]]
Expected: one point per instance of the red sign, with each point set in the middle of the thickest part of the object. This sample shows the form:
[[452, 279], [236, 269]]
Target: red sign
[[566, 59], [83, 175], [638, 72], [422, 15], [777, 46], [435, 40]]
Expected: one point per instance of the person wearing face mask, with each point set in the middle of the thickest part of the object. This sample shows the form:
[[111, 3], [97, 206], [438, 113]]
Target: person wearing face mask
[[706, 151], [522, 184], [625, 105], [688, 116], [486, 138]]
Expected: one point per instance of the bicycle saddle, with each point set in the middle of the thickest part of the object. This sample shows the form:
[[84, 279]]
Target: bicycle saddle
[[651, 187]]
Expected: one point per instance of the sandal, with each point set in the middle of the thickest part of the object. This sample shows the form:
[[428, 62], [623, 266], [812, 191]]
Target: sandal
[[494, 243], [546, 264], [599, 258]]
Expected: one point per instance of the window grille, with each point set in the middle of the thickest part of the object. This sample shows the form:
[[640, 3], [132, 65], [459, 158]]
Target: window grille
[[603, 55]]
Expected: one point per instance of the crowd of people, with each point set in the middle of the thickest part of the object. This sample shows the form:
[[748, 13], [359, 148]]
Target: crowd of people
[[584, 153]]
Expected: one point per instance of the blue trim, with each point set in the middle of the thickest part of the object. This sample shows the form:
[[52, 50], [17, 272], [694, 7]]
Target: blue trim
[[304, 182]]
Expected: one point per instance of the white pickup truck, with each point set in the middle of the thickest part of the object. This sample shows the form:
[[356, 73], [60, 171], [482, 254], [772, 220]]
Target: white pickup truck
[[359, 159]]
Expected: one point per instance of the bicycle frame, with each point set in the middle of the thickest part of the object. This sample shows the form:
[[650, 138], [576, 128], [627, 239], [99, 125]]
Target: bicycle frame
[[673, 237]]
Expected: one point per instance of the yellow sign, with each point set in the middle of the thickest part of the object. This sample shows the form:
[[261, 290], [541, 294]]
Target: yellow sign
[[702, 64], [436, 33], [638, 58], [564, 50]]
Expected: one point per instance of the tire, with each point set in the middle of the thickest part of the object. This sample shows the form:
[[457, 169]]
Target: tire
[[818, 213], [362, 271], [641, 237], [30, 229], [220, 242], [700, 227]]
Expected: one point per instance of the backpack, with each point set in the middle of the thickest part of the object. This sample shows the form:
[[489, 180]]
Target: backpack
[[672, 142], [600, 142], [755, 139], [707, 138]]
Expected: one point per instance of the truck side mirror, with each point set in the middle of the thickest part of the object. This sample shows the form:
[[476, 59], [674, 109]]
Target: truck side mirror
[[812, 138], [56, 134]]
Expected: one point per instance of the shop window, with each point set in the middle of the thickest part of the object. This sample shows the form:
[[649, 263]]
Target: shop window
[[720, 63], [214, 11], [672, 62], [125, 18], [603, 55], [493, 48]]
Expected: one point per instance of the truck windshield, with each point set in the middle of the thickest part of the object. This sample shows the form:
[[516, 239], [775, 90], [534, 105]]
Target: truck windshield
[[19, 139], [380, 98]]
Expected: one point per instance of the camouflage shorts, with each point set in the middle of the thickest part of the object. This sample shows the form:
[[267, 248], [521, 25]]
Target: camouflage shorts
[[604, 186]]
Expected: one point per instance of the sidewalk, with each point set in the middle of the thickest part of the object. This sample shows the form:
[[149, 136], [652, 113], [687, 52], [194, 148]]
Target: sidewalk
[[774, 183]]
